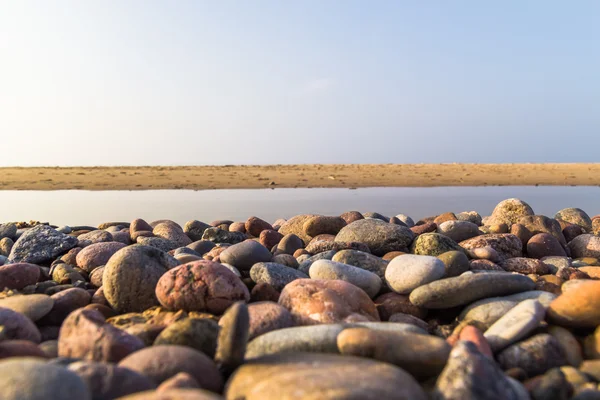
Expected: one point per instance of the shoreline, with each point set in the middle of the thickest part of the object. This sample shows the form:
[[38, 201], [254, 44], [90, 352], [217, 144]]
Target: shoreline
[[297, 176]]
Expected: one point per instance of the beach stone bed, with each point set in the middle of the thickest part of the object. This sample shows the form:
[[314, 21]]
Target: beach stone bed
[[350, 306]]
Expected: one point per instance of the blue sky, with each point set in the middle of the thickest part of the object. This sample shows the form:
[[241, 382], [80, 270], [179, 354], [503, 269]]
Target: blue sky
[[118, 82]]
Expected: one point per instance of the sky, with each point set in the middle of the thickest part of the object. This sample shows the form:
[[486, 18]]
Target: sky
[[191, 82]]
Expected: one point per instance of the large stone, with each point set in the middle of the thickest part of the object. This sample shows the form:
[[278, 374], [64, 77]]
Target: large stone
[[40, 244], [195, 229], [577, 308], [17, 276], [467, 288], [200, 286], [34, 379], [509, 211], [160, 363], [319, 225], [312, 301], [254, 226], [16, 326], [274, 274], [542, 224], [575, 216], [321, 376], [381, 237], [331, 270], [97, 254], [131, 275], [544, 245], [407, 272], [423, 356], [506, 245], [86, 335], [244, 255], [471, 375], [585, 246], [433, 244]]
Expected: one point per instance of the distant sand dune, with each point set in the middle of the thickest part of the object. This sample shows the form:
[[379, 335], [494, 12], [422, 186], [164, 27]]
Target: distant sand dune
[[297, 176]]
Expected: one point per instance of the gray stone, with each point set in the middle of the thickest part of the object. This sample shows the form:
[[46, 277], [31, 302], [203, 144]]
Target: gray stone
[[408, 221], [362, 260], [8, 230], [515, 324], [276, 275], [585, 246], [535, 355], [218, 235], [305, 265], [161, 244], [458, 230], [407, 272], [331, 270], [195, 229], [471, 216], [467, 288], [41, 244], [381, 237], [555, 263], [244, 255]]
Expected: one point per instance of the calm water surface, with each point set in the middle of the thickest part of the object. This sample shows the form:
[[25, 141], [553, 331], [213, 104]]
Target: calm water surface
[[78, 207]]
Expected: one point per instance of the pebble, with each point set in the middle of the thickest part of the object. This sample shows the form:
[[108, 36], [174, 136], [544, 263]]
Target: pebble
[[93, 237], [194, 229], [392, 303], [6, 245], [276, 275], [423, 356], [542, 224], [96, 255], [33, 379], [467, 288], [471, 216], [40, 244], [575, 216], [198, 333], [244, 255], [524, 266], [201, 246], [323, 225], [379, 236], [173, 360], [455, 263], [218, 235], [469, 374], [200, 286], [515, 325], [544, 245], [577, 308], [506, 245], [289, 244], [433, 244], [313, 301], [19, 275], [267, 316], [585, 246], [509, 211], [535, 355], [86, 335], [458, 230], [270, 238], [305, 265], [408, 272], [233, 338], [33, 306], [321, 376], [161, 244], [287, 260], [331, 270], [65, 302], [8, 230], [570, 345], [295, 225], [131, 275]]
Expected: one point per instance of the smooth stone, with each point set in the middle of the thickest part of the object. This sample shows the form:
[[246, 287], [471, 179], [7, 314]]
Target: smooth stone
[[320, 246], [390, 327], [381, 237], [173, 360], [218, 235], [407, 272], [362, 260], [18, 275], [331, 270], [315, 339], [421, 229], [171, 231], [569, 343], [471, 216], [289, 243], [40, 244], [295, 225], [86, 335], [321, 376], [544, 245], [408, 221], [433, 244], [585, 246], [286, 259], [32, 379], [96, 255], [575, 216], [470, 374], [524, 266], [8, 230], [200, 286], [266, 316], [6, 245], [509, 211], [171, 394], [465, 289], [505, 244], [198, 333], [20, 348], [201, 246], [422, 356], [391, 303], [535, 355], [131, 276], [276, 275], [455, 263], [323, 225], [233, 338], [515, 325], [484, 253], [312, 301], [244, 255], [270, 238], [161, 244], [305, 265], [254, 226], [458, 230], [577, 308], [182, 380], [107, 381], [33, 306], [542, 224]]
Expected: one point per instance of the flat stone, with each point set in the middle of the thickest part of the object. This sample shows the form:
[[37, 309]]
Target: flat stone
[[515, 325], [407, 272], [362, 260], [331, 270], [321, 376], [33, 306], [505, 244], [467, 288]]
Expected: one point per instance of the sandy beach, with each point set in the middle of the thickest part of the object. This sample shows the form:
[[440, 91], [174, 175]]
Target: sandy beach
[[297, 176]]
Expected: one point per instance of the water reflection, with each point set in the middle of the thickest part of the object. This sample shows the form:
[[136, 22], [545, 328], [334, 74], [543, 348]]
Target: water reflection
[[77, 207]]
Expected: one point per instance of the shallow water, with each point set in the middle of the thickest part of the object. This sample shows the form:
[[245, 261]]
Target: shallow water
[[78, 207]]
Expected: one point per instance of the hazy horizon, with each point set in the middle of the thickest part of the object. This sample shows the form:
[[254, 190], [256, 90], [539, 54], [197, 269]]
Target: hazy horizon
[[212, 83]]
